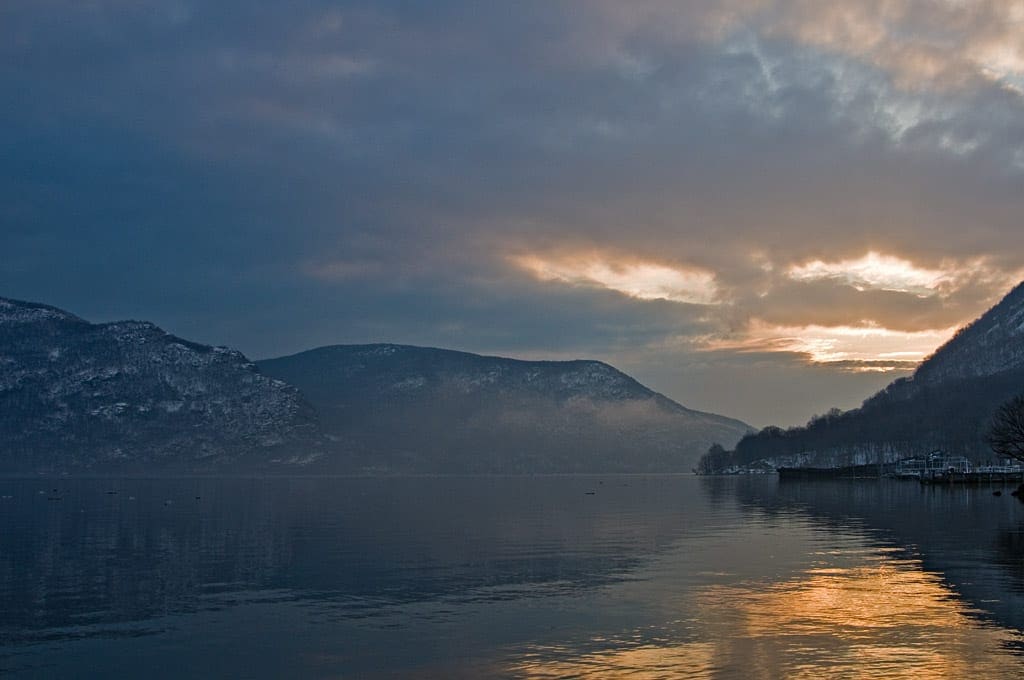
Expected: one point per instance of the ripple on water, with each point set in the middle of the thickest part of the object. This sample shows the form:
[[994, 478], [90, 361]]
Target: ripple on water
[[855, 613]]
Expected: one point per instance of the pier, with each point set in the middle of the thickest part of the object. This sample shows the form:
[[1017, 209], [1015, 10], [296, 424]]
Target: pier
[[975, 477]]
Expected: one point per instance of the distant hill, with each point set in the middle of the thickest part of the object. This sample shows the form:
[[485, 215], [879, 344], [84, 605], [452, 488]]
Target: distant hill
[[947, 404], [127, 396], [396, 408]]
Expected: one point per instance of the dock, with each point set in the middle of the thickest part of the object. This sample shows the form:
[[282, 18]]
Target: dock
[[871, 471], [976, 477]]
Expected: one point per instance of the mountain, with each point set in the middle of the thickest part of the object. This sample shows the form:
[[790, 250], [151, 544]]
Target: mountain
[[396, 408], [991, 345], [947, 405], [127, 396]]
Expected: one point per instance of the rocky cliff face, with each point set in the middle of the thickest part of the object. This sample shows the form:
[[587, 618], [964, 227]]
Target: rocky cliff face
[[400, 408], [128, 396]]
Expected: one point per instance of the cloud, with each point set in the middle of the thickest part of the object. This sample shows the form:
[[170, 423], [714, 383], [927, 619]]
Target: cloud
[[641, 280], [634, 181], [875, 271], [872, 313], [919, 44], [859, 348]]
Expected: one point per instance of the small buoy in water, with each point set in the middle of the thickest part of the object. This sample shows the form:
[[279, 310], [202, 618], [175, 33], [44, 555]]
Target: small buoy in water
[[997, 493]]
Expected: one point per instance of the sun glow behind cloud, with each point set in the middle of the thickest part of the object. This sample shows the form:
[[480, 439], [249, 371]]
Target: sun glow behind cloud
[[637, 279], [875, 271], [865, 348], [859, 345]]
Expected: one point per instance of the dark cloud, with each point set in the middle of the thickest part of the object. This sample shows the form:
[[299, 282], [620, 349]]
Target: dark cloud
[[282, 175]]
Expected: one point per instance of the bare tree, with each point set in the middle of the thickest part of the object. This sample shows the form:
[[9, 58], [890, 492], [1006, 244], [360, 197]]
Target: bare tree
[[1006, 434]]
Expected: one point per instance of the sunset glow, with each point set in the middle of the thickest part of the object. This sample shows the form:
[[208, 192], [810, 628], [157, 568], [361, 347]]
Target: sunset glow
[[874, 271], [640, 280], [867, 346], [864, 348], [854, 612], [575, 339]]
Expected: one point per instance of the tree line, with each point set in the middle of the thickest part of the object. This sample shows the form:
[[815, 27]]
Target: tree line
[[980, 418]]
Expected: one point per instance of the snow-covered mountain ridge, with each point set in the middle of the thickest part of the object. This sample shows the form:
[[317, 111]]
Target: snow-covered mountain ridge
[[127, 395]]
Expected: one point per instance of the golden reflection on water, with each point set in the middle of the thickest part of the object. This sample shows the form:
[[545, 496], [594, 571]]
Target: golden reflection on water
[[882, 617]]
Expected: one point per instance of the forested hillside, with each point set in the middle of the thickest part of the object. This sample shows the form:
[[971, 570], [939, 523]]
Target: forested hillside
[[947, 404]]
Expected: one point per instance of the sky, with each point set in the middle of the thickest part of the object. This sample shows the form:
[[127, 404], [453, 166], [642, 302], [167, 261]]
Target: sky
[[760, 208]]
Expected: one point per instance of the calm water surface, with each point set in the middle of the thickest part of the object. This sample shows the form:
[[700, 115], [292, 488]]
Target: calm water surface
[[545, 577]]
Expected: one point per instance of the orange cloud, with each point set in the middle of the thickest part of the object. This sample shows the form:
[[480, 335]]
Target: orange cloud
[[874, 313], [637, 279], [864, 348], [873, 270]]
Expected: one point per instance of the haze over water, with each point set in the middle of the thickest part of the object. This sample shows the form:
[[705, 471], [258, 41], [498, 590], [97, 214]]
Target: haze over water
[[534, 577]]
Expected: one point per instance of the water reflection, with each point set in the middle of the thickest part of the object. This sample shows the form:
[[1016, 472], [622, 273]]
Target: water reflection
[[860, 614], [644, 662], [966, 534], [885, 618], [519, 577], [112, 555]]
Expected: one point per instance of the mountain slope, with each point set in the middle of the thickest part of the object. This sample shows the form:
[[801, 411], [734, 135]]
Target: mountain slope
[[128, 396], [946, 404], [991, 345], [412, 409]]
